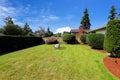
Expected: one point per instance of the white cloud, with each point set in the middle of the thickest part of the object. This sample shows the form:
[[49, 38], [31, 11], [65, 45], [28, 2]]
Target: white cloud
[[6, 11], [62, 29], [53, 17], [50, 18]]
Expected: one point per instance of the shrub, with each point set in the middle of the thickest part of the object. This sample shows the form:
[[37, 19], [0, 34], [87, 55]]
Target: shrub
[[83, 38], [69, 38], [112, 38], [8, 43], [95, 40], [51, 40]]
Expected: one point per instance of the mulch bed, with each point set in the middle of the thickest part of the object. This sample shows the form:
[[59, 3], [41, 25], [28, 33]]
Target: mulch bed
[[112, 64]]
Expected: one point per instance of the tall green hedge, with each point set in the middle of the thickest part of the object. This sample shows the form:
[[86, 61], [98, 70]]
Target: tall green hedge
[[8, 44], [112, 38], [83, 38], [95, 40], [69, 38]]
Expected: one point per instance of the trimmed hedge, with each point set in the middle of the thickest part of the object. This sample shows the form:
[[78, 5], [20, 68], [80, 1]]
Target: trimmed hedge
[[8, 44], [95, 40], [83, 38], [51, 40], [112, 38], [69, 38]]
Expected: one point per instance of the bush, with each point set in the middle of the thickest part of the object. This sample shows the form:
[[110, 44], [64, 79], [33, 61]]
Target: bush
[[112, 38], [51, 40], [83, 38], [69, 38], [8, 44], [95, 40]]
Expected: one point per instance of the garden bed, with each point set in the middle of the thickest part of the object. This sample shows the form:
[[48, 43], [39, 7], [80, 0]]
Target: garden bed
[[113, 65]]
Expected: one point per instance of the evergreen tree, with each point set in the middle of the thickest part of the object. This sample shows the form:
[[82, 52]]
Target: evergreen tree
[[26, 29], [48, 33], [85, 20], [119, 15], [8, 20], [112, 13]]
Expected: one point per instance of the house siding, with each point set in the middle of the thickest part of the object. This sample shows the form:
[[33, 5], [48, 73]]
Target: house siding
[[101, 31]]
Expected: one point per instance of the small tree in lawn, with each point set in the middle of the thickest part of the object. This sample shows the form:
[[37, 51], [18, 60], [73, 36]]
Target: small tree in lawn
[[112, 15], [85, 20], [26, 29]]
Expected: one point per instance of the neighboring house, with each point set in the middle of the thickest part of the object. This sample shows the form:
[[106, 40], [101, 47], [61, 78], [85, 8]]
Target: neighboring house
[[78, 32], [101, 30]]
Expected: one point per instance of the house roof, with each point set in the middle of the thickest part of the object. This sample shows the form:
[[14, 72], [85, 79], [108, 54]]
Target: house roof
[[74, 30], [102, 28], [86, 30], [77, 30]]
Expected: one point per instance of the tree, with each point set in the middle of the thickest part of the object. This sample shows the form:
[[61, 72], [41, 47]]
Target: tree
[[26, 29], [8, 20], [112, 15], [41, 32], [11, 29], [48, 33], [119, 15], [85, 20], [112, 38], [57, 35], [1, 30]]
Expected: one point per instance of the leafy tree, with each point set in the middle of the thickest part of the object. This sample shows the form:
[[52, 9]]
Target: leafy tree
[[26, 29], [85, 20], [8, 20], [1, 30], [41, 32], [11, 29], [112, 15], [57, 35], [48, 33]]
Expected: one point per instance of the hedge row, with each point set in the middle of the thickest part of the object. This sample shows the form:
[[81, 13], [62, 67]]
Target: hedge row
[[8, 44], [83, 38], [69, 38], [95, 40]]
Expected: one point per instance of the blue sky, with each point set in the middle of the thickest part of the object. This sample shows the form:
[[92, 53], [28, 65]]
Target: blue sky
[[59, 15]]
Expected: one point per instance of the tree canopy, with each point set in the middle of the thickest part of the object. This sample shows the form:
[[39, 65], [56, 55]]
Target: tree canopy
[[113, 13], [48, 33], [8, 20], [26, 29], [85, 20]]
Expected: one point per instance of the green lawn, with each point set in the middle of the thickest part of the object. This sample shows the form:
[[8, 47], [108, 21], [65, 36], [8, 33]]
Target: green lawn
[[70, 62]]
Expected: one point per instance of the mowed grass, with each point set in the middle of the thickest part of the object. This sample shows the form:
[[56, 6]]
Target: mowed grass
[[70, 62]]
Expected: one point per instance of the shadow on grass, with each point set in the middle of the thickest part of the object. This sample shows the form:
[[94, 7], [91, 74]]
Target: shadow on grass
[[62, 48]]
